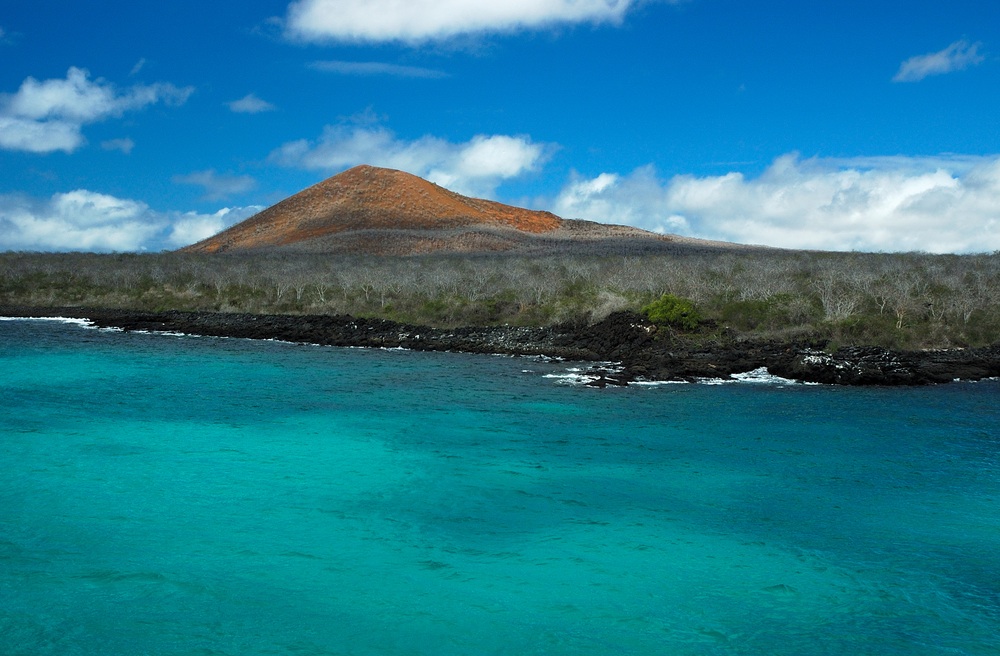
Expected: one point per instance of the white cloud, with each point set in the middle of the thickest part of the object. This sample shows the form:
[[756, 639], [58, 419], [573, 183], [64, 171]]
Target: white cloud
[[475, 167], [414, 21], [191, 227], [139, 65], [38, 137], [217, 185], [76, 220], [81, 100], [49, 115], [955, 57], [83, 220], [375, 68], [638, 200], [250, 104], [125, 145], [944, 205]]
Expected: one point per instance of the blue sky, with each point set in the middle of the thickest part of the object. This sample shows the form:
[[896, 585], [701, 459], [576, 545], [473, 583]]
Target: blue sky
[[843, 126]]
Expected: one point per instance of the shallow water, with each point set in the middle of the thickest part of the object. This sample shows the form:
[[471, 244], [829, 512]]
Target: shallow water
[[169, 495]]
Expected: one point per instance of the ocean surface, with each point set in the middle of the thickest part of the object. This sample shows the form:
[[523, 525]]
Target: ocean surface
[[185, 495]]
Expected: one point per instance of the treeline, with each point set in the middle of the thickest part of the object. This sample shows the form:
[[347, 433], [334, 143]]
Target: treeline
[[903, 300]]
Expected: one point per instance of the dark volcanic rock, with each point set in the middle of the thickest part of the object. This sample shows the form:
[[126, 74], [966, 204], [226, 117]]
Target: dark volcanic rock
[[878, 366], [614, 338], [641, 351]]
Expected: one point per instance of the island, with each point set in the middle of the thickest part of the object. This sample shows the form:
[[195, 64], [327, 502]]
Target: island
[[381, 258]]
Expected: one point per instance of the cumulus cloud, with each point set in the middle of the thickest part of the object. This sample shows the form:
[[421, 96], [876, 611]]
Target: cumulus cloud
[[37, 136], [639, 199], [250, 104], [416, 21], [191, 227], [942, 205], [375, 68], [83, 220], [957, 56], [217, 185], [45, 116], [476, 167]]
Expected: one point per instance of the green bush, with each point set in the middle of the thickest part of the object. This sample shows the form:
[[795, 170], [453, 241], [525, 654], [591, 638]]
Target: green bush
[[670, 310]]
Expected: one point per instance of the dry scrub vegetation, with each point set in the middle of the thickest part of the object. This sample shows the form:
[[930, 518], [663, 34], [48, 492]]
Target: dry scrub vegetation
[[897, 300]]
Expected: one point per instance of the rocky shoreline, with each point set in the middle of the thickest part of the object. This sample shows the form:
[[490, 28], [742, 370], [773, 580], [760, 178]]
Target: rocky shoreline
[[624, 337]]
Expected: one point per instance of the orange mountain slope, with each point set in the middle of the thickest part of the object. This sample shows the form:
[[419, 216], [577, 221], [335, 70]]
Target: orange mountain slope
[[367, 198], [374, 211]]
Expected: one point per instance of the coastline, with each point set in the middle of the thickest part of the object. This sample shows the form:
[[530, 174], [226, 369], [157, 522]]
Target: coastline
[[623, 337]]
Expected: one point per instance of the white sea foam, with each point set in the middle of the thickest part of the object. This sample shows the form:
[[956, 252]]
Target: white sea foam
[[579, 376], [585, 376], [168, 333], [759, 376], [762, 375], [715, 381], [571, 378], [85, 323]]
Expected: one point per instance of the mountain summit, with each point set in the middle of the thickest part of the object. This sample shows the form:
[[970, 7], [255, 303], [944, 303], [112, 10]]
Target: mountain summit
[[371, 210], [368, 198]]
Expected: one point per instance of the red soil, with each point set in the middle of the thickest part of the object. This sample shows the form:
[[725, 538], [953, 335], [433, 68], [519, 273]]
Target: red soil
[[370, 198]]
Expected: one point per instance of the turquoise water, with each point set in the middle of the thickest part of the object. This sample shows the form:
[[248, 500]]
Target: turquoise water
[[183, 495]]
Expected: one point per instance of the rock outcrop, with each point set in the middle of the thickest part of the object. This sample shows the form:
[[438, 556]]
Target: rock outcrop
[[625, 338]]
